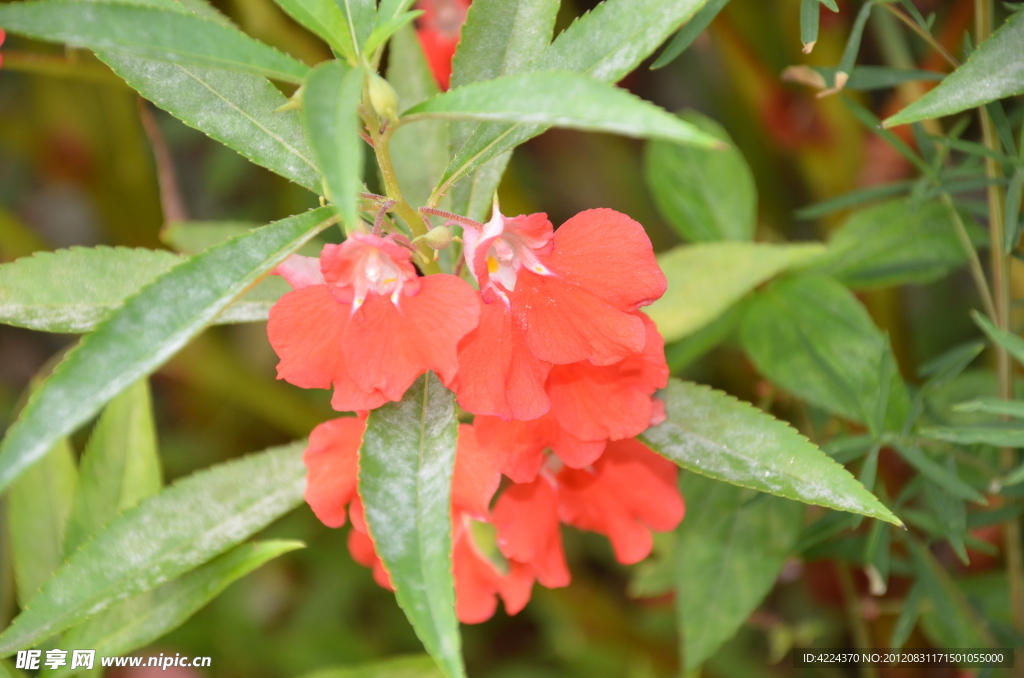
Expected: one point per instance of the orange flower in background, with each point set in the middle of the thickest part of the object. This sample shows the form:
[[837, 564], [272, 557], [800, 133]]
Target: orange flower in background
[[362, 320], [3, 36], [552, 298], [439, 29]]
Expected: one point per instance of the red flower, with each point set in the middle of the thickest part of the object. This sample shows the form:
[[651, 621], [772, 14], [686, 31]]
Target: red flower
[[365, 322], [552, 298], [438, 29], [3, 36], [526, 516], [629, 491]]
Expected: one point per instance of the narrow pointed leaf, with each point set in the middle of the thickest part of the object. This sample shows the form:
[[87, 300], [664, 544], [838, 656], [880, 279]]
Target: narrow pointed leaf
[[1011, 408], [993, 71], [716, 435], [145, 332], [330, 100], [120, 466], [384, 31], [690, 31], [730, 553], [934, 471], [704, 280], [138, 621], [405, 471], [389, 9], [149, 32], [37, 516], [704, 194], [561, 99], [405, 667], [1011, 342], [951, 621], [1010, 434], [153, 545], [323, 18], [240, 110], [809, 10]]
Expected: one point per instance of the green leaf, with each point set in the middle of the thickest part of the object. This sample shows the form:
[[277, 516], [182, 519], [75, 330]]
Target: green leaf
[[382, 32], [560, 99], [680, 354], [993, 71], [405, 667], [854, 198], [120, 466], [389, 9], [689, 32], [239, 110], [809, 335], [161, 34], [704, 280], [145, 332], [72, 290], [37, 517], [951, 621], [934, 471], [865, 78], [151, 544], [331, 98], [323, 18], [419, 153], [730, 552], [908, 617], [1010, 434], [1011, 342], [138, 621], [951, 513], [809, 10], [894, 243], [704, 194], [606, 43], [405, 471], [361, 16], [192, 237], [1011, 408], [655, 575], [716, 435]]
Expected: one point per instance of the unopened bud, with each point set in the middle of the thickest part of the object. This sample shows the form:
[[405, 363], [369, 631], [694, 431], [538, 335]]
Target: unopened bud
[[383, 97], [293, 104], [438, 238]]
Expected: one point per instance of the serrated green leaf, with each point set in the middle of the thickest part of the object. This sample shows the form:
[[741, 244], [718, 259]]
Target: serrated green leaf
[[150, 32], [560, 99], [419, 153], [689, 32], [37, 517], [993, 71], [705, 194], [361, 16], [704, 280], [809, 335], [151, 544], [120, 466], [389, 9], [405, 471], [331, 98], [606, 44], [72, 290], [145, 332], [951, 621], [323, 18], [405, 667], [383, 31], [730, 552], [716, 435], [894, 243], [239, 110], [138, 621]]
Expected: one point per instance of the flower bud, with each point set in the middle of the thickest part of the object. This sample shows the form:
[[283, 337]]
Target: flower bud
[[383, 97], [438, 238]]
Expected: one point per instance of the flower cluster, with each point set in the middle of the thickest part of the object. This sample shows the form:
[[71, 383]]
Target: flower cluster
[[549, 352]]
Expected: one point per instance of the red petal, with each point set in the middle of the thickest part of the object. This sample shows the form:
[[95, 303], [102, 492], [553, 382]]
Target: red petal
[[476, 476], [498, 375], [476, 582], [613, 401], [516, 586], [609, 255], [526, 517], [574, 452], [630, 491], [360, 546], [332, 464], [300, 271], [387, 347], [517, 446], [567, 323], [305, 328]]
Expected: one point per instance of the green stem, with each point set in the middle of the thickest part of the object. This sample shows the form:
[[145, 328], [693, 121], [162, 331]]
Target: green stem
[[1001, 285]]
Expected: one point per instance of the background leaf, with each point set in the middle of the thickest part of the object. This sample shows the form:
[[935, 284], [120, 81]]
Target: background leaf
[[149, 32], [37, 515], [147, 330], [993, 71], [150, 544], [731, 548], [120, 466], [330, 98], [810, 335], [689, 32], [704, 194], [324, 18], [705, 280], [405, 667], [952, 622], [718, 436], [405, 472]]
